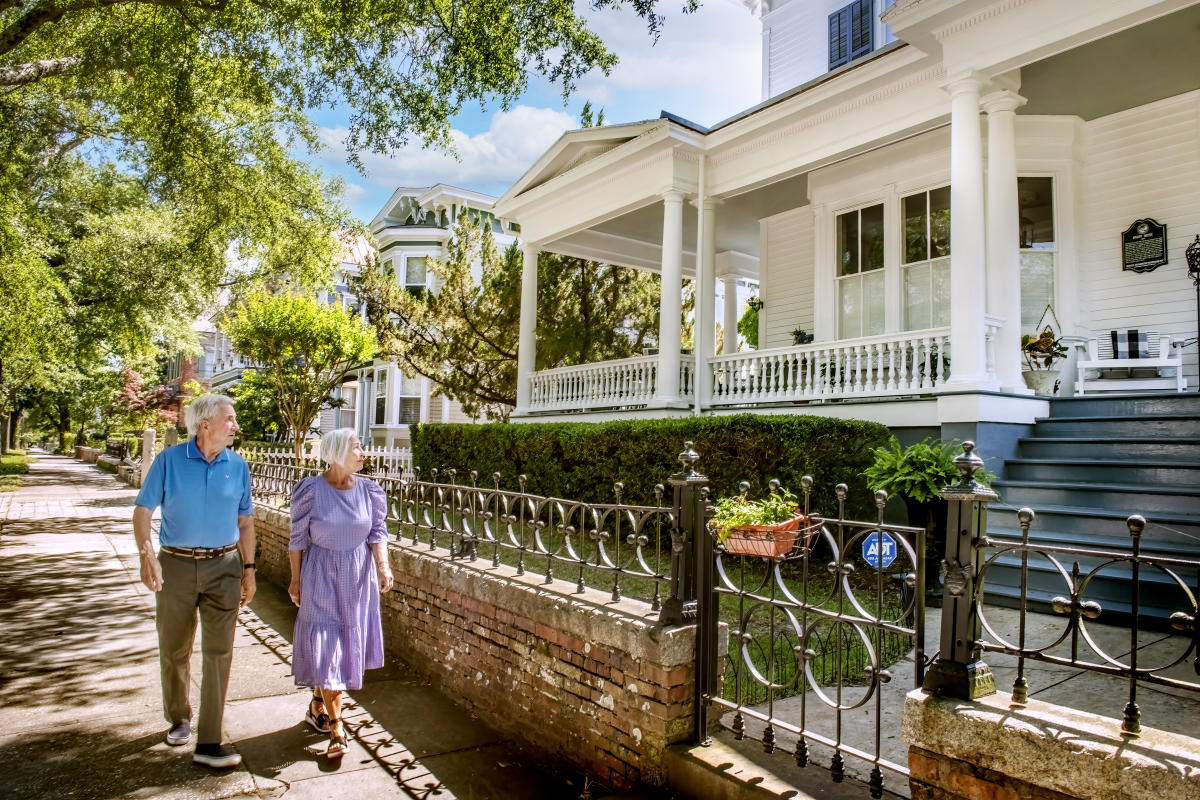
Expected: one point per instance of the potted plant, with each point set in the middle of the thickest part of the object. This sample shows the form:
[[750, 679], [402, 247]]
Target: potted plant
[[768, 527], [1042, 354], [918, 473], [801, 336]]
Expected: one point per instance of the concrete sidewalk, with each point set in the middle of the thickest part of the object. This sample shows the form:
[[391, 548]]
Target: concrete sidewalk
[[82, 718]]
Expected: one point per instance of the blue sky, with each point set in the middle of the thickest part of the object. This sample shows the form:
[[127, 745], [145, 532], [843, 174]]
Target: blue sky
[[705, 67]]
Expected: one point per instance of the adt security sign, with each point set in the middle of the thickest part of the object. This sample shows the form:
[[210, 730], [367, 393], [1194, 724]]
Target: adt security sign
[[879, 549]]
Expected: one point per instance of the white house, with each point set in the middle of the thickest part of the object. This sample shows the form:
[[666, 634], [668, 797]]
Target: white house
[[922, 179], [414, 225]]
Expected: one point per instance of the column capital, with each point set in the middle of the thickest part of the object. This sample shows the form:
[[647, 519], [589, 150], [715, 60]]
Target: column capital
[[672, 196], [708, 204], [1001, 101], [965, 83]]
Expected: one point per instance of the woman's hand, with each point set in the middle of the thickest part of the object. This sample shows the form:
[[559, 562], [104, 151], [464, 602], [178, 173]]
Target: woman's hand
[[386, 581], [294, 591]]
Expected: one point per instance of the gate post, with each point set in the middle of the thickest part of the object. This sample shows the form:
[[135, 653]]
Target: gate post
[[959, 672], [685, 491], [693, 593]]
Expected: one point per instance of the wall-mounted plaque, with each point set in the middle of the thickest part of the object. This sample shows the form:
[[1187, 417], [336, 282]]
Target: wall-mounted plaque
[[1144, 246]]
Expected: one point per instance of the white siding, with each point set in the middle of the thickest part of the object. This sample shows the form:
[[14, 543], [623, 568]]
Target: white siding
[[787, 288], [1141, 163], [796, 41]]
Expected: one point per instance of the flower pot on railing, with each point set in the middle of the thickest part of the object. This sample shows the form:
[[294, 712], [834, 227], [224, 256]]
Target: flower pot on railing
[[771, 541]]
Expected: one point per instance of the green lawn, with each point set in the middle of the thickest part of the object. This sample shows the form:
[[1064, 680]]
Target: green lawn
[[12, 466]]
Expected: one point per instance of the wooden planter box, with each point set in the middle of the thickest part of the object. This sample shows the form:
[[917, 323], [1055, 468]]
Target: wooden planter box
[[770, 541]]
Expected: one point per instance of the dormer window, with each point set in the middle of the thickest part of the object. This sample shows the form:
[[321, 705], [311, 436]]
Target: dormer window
[[851, 32]]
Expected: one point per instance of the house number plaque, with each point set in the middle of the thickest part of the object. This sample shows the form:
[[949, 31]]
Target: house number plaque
[[1144, 246]]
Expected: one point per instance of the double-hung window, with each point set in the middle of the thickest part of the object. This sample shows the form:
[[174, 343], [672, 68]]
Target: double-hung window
[[415, 274], [926, 264], [1038, 248], [381, 397], [860, 272], [851, 30], [410, 399]]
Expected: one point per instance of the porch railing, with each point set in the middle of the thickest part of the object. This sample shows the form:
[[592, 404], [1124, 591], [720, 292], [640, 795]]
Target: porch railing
[[606, 384], [893, 364]]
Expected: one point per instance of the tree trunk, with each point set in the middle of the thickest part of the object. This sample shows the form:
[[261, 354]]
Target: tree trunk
[[14, 424]]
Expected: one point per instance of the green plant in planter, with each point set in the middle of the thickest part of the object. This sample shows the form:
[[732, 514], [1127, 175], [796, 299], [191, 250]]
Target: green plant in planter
[[739, 511], [918, 473], [1042, 351]]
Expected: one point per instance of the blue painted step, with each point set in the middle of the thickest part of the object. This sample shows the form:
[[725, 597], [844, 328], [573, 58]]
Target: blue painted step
[[1128, 405], [1146, 425], [1158, 472], [1132, 447], [1127, 498]]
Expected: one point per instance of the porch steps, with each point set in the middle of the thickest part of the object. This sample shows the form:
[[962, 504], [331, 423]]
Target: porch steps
[[1084, 470]]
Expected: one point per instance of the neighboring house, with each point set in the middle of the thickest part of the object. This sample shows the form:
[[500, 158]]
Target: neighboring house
[[414, 225], [922, 179]]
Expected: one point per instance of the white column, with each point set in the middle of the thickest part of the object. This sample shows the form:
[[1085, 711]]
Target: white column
[[527, 340], [731, 309], [968, 252], [1003, 237], [368, 393], [706, 299], [671, 302]]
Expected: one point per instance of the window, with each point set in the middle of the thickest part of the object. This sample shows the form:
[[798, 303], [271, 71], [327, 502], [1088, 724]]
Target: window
[[381, 397], [414, 274], [410, 399], [850, 32], [860, 272], [1036, 199], [926, 265], [346, 414]]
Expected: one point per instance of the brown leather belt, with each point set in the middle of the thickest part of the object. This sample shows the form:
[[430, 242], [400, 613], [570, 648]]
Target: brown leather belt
[[199, 552]]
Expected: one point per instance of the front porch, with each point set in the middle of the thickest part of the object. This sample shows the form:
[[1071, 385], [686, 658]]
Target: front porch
[[891, 366]]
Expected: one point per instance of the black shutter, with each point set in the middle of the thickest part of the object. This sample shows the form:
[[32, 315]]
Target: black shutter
[[862, 26], [839, 37]]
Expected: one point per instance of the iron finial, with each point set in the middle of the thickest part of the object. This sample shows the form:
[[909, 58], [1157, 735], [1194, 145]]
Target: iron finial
[[968, 464], [689, 457]]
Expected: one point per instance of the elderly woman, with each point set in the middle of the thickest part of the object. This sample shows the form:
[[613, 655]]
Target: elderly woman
[[338, 555]]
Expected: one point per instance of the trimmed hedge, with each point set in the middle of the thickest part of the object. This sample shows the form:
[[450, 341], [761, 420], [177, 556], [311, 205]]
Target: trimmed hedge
[[14, 463], [582, 461]]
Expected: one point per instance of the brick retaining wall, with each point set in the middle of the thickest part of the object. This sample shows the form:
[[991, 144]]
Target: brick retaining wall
[[575, 675]]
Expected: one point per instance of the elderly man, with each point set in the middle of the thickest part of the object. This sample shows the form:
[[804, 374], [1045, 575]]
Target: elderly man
[[205, 565]]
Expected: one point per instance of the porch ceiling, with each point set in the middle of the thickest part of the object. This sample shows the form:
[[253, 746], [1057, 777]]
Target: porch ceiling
[[635, 238], [1153, 61]]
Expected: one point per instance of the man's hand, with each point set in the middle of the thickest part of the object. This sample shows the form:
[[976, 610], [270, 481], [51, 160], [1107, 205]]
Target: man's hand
[[249, 586], [151, 569]]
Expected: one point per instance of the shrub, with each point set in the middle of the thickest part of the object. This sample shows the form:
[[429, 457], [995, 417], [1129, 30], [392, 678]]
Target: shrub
[[582, 461], [13, 464]]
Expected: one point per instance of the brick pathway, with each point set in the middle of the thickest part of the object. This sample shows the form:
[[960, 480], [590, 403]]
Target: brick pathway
[[78, 671]]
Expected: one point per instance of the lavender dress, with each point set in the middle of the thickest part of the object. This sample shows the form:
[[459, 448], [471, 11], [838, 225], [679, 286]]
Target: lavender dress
[[338, 630]]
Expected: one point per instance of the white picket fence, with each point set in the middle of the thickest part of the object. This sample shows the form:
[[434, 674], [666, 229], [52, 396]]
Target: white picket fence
[[389, 462]]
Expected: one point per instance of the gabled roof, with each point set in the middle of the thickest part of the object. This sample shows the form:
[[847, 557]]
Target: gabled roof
[[440, 195], [574, 148]]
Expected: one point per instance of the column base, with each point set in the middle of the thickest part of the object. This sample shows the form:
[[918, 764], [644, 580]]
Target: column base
[[971, 383], [668, 402]]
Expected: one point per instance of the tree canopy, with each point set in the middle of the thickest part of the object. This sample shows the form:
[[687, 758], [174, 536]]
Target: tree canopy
[[463, 335], [303, 347]]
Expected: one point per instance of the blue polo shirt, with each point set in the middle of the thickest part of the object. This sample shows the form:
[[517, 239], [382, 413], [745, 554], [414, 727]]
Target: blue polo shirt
[[201, 500]]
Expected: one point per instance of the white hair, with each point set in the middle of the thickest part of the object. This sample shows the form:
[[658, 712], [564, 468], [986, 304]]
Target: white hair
[[336, 446], [204, 408]]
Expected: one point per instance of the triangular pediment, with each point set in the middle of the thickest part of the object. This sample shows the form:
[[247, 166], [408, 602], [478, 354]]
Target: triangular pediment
[[578, 147]]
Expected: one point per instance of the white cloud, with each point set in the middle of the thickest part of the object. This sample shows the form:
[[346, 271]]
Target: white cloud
[[488, 161], [706, 65]]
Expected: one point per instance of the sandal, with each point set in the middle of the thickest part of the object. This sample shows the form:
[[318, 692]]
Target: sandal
[[337, 742], [316, 717]]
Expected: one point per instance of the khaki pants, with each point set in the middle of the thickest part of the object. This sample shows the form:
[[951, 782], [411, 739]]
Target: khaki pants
[[213, 587]]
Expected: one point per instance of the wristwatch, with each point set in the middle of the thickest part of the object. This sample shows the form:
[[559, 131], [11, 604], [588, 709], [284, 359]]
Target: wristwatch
[[249, 566]]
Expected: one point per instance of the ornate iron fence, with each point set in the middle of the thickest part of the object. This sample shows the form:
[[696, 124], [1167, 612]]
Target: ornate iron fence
[[615, 547], [822, 622], [1076, 645]]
